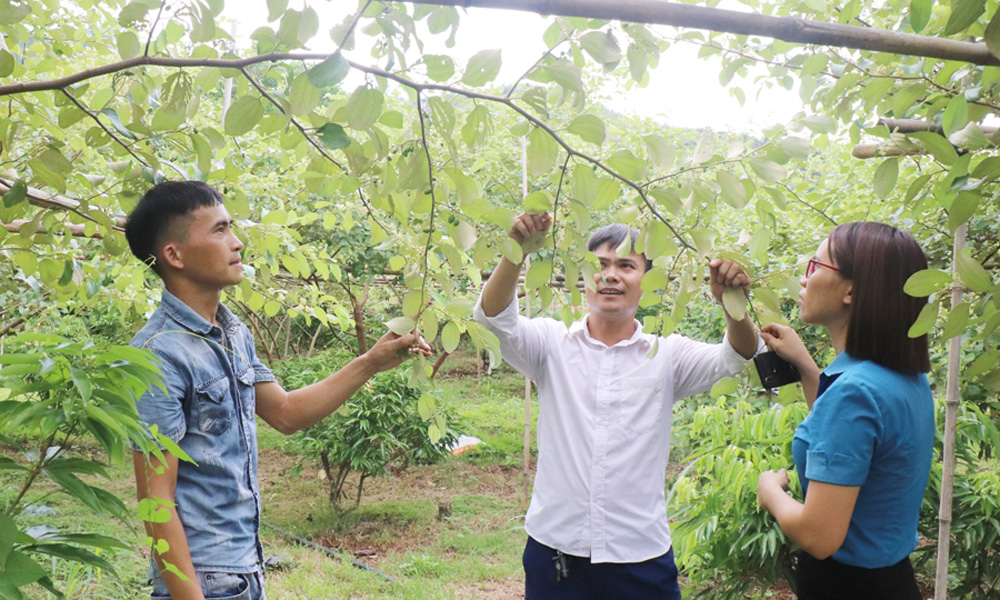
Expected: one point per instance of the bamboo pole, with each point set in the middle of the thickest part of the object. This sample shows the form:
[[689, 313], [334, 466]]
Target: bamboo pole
[[789, 29], [950, 418], [526, 458]]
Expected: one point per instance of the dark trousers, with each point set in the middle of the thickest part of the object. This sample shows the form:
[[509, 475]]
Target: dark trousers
[[654, 579], [831, 580]]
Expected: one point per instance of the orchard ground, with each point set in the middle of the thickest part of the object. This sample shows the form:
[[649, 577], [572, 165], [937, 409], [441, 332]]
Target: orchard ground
[[452, 530]]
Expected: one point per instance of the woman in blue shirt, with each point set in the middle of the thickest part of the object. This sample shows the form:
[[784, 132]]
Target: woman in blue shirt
[[863, 453]]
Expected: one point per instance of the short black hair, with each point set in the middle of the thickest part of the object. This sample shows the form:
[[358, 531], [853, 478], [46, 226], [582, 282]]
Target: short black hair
[[879, 258], [150, 221], [614, 234]]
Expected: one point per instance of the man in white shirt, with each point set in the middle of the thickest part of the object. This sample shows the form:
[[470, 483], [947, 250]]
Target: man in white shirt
[[597, 522]]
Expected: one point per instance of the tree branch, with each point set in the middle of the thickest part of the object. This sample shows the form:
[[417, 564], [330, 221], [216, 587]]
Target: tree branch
[[152, 28], [430, 182], [350, 29], [291, 119], [45, 200], [101, 125], [789, 29]]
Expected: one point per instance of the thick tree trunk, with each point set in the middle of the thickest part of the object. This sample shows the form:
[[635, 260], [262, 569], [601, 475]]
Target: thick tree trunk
[[789, 29]]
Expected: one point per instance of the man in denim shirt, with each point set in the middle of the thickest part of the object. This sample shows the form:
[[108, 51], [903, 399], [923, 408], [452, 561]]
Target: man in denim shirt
[[215, 385]]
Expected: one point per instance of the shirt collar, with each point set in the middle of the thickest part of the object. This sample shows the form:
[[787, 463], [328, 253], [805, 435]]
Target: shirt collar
[[579, 328], [843, 362], [187, 317]]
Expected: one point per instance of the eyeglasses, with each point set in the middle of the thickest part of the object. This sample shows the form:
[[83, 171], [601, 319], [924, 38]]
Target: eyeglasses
[[813, 263]]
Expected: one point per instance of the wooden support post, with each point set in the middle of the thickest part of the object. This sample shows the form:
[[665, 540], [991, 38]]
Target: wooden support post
[[950, 418]]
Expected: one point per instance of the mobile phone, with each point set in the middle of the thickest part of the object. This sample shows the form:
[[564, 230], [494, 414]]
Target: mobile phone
[[775, 371]]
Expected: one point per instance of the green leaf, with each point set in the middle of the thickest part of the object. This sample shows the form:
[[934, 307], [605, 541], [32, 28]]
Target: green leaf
[[992, 34], [628, 165], [7, 63], [333, 136], [276, 8], [303, 96], [20, 569], [401, 325], [243, 115], [483, 67], [566, 74], [8, 535], [885, 177], [426, 406], [759, 243], [13, 13], [963, 14], [962, 208], [796, 147], [820, 124], [957, 321], [129, 45], [956, 115], [926, 282], [538, 274], [538, 202], [724, 386], [450, 336], [733, 192], [74, 554], [971, 136], [17, 193], [330, 72], [511, 250], [661, 152], [82, 382], [734, 301], [601, 46], [920, 14], [542, 152], [440, 68], [589, 128], [925, 320], [972, 274], [767, 170], [939, 147], [364, 107]]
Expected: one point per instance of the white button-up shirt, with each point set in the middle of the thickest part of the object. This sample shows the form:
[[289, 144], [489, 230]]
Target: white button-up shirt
[[604, 429]]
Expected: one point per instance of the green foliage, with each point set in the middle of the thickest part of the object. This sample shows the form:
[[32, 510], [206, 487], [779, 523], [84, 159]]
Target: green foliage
[[58, 395], [723, 541], [381, 429], [975, 523]]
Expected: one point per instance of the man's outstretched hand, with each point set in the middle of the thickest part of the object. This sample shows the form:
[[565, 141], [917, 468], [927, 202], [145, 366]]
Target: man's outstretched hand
[[529, 230], [392, 349]]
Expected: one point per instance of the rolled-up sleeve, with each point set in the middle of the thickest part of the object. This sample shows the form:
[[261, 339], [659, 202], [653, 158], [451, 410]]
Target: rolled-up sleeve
[[846, 425], [698, 365], [523, 341], [165, 409]]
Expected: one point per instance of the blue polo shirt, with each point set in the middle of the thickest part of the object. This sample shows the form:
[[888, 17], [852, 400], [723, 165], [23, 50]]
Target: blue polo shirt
[[874, 428]]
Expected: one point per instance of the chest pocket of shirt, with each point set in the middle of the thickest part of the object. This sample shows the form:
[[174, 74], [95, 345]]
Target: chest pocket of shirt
[[640, 404], [246, 380], [214, 406]]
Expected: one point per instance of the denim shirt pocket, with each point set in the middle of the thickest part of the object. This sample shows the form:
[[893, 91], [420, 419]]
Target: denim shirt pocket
[[246, 379], [214, 407]]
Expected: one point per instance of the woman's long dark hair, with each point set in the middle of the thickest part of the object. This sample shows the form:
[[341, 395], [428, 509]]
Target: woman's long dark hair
[[879, 258]]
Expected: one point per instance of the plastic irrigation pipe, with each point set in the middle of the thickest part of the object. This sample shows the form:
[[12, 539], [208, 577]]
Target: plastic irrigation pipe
[[329, 551]]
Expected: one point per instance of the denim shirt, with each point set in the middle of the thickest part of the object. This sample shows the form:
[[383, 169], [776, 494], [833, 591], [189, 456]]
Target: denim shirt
[[209, 411]]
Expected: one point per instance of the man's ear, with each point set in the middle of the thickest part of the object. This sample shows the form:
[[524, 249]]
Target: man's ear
[[172, 256]]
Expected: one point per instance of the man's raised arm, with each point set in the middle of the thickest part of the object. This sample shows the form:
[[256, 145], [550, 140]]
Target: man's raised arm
[[529, 232]]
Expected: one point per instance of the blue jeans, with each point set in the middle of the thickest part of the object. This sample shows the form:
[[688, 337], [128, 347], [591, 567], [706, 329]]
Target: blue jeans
[[654, 579], [220, 586]]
